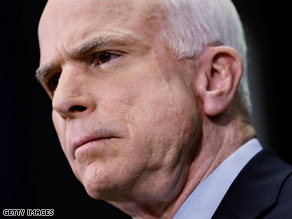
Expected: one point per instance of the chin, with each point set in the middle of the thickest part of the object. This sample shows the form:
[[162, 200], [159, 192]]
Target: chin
[[101, 184], [98, 193]]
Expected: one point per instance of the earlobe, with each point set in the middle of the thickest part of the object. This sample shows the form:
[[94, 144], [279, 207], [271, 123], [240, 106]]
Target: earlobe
[[222, 67]]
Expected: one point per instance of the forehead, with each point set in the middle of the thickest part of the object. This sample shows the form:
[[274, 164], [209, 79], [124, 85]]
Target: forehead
[[67, 8], [76, 19]]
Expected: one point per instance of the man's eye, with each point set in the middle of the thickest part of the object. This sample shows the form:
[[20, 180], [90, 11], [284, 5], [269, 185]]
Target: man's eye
[[105, 57], [53, 82]]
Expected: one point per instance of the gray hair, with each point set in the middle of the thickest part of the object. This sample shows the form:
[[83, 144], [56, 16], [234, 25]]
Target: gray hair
[[194, 24]]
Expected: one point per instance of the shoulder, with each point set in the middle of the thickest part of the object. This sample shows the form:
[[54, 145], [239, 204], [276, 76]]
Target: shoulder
[[267, 167], [283, 205], [263, 188]]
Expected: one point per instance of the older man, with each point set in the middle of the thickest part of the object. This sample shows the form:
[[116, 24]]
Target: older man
[[151, 105]]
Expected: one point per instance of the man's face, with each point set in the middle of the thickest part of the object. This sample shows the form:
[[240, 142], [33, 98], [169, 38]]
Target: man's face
[[123, 109]]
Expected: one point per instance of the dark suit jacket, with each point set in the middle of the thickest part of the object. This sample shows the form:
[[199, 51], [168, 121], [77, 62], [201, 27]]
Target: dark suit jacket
[[263, 189]]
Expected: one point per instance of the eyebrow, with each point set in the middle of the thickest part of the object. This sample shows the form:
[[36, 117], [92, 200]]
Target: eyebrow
[[103, 40], [42, 71], [91, 44], [97, 42]]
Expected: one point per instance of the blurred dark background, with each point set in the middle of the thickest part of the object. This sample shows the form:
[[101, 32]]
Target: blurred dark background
[[34, 172]]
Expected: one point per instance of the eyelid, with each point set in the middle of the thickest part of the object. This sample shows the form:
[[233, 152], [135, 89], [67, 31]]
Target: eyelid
[[97, 55]]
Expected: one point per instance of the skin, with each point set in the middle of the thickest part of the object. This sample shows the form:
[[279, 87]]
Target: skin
[[156, 126]]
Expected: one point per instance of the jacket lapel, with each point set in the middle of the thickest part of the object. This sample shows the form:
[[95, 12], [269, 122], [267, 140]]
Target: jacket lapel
[[256, 188]]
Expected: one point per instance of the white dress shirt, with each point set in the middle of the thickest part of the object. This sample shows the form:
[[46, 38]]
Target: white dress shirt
[[205, 199]]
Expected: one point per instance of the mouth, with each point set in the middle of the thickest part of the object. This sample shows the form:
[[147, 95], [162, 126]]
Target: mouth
[[83, 141]]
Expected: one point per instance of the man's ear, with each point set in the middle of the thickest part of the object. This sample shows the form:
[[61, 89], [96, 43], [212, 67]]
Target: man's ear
[[219, 73]]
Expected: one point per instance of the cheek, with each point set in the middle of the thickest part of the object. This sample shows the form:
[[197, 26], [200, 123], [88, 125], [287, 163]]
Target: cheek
[[162, 123], [159, 114]]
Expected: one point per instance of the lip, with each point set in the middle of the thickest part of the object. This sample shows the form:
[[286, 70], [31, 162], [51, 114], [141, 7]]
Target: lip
[[82, 141]]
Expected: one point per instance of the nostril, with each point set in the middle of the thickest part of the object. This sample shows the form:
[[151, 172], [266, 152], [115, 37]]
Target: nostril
[[73, 109]]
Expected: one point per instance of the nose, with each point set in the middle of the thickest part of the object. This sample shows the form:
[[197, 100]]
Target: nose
[[72, 97]]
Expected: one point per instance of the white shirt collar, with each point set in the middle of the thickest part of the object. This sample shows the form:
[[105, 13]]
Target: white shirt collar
[[205, 199]]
